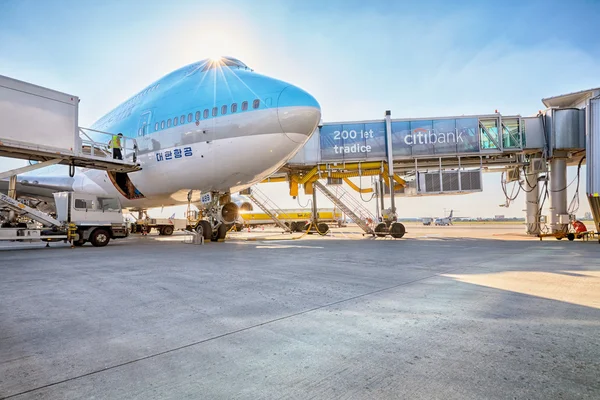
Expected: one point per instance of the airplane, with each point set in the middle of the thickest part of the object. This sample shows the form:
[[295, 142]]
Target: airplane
[[445, 221], [214, 127]]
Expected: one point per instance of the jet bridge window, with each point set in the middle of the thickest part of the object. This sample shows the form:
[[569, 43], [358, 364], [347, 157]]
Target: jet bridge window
[[244, 106], [234, 108], [223, 110], [215, 111], [256, 104], [205, 113], [190, 116]]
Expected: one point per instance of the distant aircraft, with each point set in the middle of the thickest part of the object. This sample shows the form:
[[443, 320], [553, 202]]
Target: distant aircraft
[[445, 221], [214, 127]]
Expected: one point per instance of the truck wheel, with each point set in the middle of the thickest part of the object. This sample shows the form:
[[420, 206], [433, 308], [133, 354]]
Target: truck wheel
[[205, 228], [166, 230], [100, 238], [571, 236], [397, 230], [381, 230]]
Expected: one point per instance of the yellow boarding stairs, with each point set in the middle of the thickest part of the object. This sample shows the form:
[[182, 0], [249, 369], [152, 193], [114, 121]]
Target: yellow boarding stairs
[[357, 219], [268, 207]]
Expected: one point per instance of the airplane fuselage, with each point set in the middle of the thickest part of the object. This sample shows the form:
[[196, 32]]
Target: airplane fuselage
[[210, 126]]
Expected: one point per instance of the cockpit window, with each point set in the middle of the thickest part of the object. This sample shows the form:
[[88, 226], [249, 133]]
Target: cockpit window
[[224, 62]]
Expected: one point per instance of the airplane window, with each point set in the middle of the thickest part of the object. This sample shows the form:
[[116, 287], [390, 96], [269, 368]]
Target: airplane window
[[215, 111], [197, 115], [190, 116], [169, 123], [182, 119], [175, 121], [256, 103], [234, 107], [244, 106], [205, 114], [155, 127], [162, 125], [223, 110]]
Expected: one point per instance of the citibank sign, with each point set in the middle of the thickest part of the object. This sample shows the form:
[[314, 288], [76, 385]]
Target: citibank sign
[[426, 136]]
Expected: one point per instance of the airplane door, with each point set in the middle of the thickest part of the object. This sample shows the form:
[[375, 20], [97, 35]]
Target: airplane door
[[144, 123]]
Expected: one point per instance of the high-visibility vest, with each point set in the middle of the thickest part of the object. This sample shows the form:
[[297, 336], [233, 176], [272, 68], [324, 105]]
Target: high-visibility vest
[[115, 142]]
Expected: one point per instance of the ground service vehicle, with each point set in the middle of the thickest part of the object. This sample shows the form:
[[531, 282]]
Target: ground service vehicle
[[80, 218]]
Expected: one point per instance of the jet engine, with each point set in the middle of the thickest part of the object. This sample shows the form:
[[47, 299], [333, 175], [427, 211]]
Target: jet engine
[[229, 213], [243, 203]]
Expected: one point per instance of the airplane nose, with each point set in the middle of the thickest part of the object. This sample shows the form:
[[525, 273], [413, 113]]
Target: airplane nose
[[298, 111]]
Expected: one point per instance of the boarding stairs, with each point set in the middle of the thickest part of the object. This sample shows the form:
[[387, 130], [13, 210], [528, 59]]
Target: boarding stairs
[[349, 206], [268, 207], [10, 204]]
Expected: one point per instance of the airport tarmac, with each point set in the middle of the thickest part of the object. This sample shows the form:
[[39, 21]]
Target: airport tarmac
[[448, 313]]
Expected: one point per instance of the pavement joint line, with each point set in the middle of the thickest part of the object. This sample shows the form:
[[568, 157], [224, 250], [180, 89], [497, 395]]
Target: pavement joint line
[[247, 328]]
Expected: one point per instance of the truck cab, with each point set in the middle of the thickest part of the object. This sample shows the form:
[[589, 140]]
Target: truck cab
[[98, 219]]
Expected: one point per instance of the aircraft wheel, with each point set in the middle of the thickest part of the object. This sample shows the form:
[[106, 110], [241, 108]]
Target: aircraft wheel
[[381, 230], [397, 230], [323, 228], [221, 232], [571, 237], [100, 238], [166, 230], [205, 229]]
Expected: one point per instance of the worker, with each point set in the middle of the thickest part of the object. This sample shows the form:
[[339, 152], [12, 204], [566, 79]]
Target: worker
[[580, 228], [115, 145]]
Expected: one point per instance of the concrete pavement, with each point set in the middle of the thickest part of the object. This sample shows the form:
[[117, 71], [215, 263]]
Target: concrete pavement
[[447, 318]]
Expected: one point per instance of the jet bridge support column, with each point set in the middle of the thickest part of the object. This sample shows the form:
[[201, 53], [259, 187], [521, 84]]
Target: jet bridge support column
[[390, 160], [558, 195], [532, 207]]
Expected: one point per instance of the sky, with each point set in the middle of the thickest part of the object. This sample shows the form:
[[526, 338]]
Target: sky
[[357, 58]]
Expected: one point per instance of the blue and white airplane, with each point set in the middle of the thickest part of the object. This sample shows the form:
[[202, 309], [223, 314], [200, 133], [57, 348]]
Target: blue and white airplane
[[214, 126]]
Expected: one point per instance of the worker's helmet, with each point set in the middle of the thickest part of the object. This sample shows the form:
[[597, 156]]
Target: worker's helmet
[[120, 134]]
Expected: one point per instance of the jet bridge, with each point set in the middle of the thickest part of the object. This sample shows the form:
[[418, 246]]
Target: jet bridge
[[447, 155], [40, 124]]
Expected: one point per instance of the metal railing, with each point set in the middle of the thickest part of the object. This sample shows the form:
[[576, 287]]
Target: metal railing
[[359, 209], [348, 210], [96, 143], [269, 208]]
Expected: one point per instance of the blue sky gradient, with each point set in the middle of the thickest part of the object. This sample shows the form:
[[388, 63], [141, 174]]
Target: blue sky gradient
[[426, 58]]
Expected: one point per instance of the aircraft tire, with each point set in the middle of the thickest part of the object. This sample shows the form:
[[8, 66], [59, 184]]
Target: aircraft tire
[[205, 228], [220, 234], [397, 230]]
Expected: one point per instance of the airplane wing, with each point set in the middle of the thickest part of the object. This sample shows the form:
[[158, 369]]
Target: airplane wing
[[40, 188]]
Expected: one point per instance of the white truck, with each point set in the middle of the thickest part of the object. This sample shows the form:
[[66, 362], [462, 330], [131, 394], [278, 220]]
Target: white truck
[[79, 218]]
